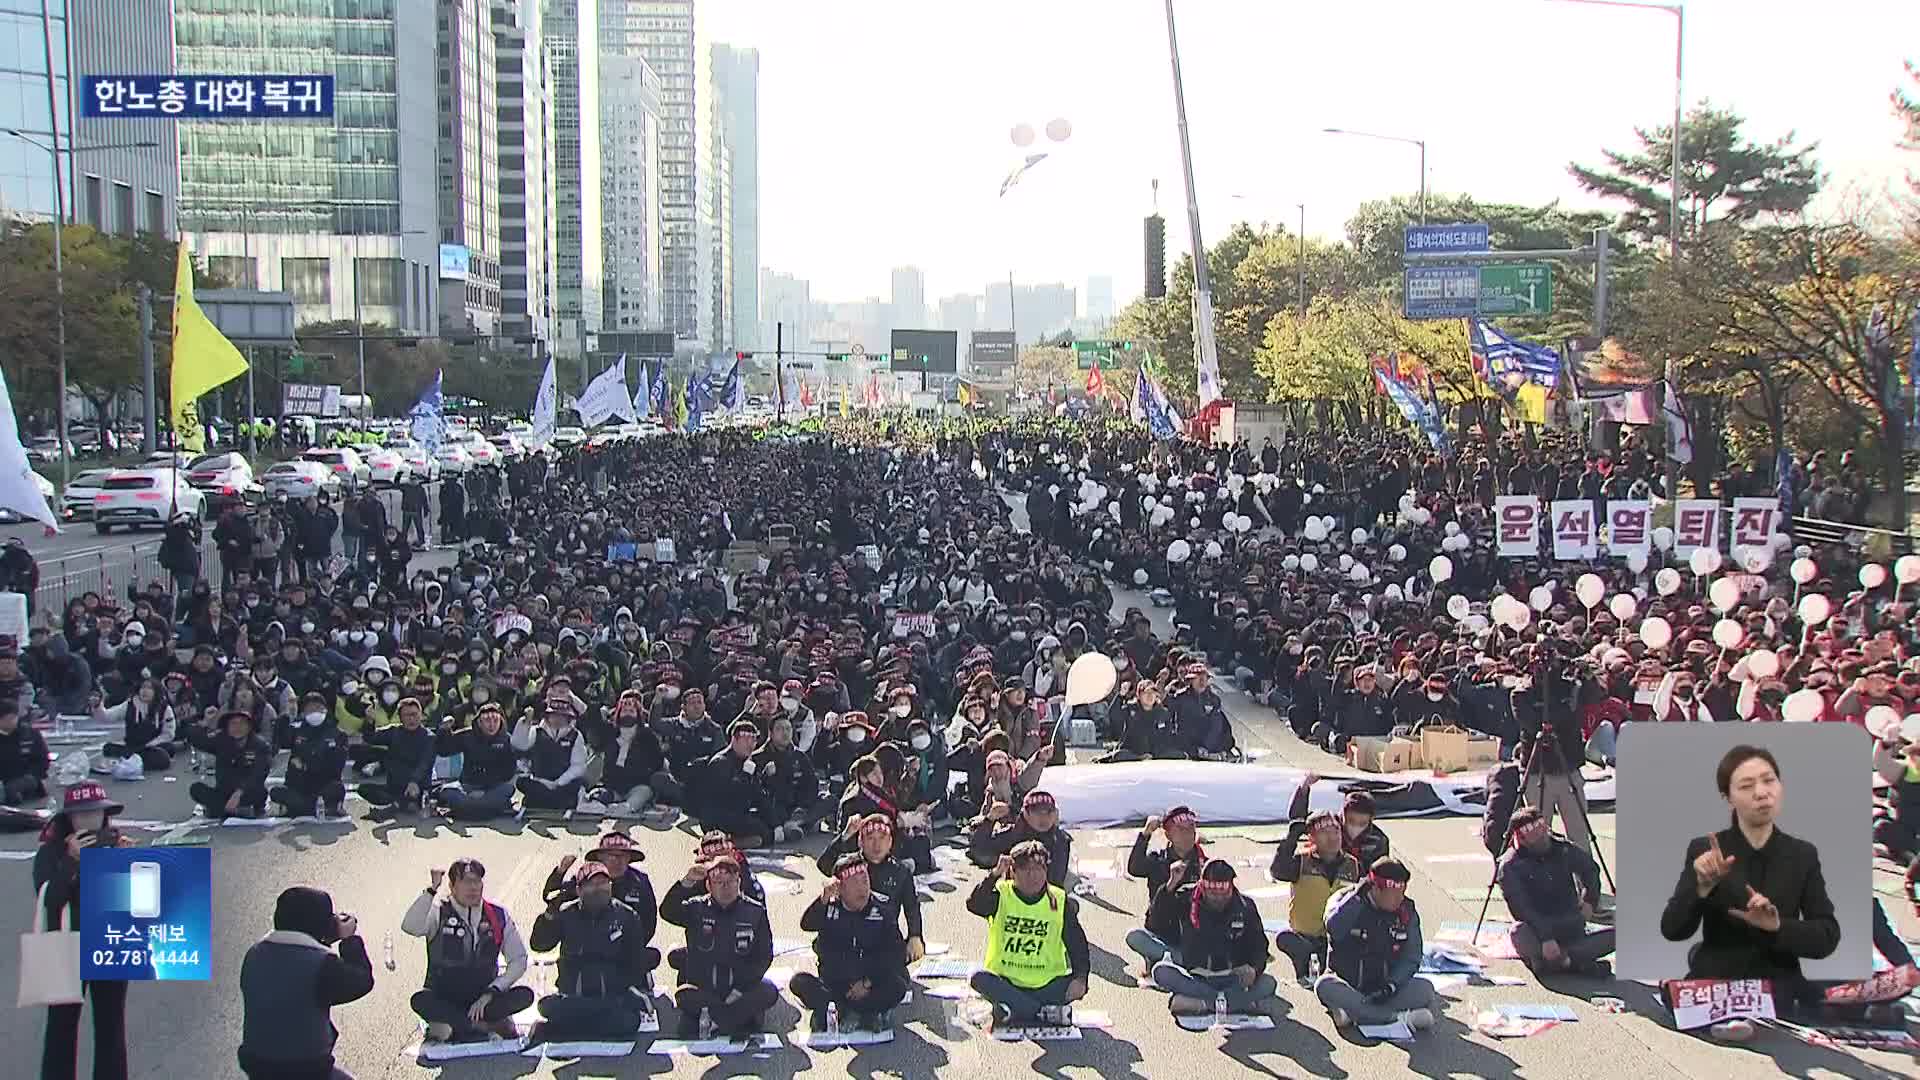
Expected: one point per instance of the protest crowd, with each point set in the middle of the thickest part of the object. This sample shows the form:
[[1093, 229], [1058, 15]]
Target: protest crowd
[[885, 685]]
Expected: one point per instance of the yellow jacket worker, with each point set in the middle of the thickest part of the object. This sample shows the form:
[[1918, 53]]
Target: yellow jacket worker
[[1037, 957]]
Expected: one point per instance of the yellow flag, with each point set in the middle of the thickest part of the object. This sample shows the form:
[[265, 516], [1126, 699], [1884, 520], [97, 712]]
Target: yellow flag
[[1531, 403], [203, 358], [843, 403]]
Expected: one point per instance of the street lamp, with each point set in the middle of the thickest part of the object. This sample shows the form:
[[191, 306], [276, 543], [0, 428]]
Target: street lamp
[[1679, 14], [59, 276], [1421, 143], [360, 328]]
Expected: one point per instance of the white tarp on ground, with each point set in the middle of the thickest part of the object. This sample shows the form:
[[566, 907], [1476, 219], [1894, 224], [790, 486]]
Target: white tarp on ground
[[1105, 796]]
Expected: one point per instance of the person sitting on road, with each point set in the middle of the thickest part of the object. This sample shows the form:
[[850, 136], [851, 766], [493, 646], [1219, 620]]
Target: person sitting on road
[[407, 762], [484, 789], [1038, 958], [148, 726], [241, 761], [1200, 717], [1223, 947], [723, 966], [789, 782], [24, 758], [631, 886], [729, 796], [1169, 867], [1552, 888], [862, 959], [872, 839], [1374, 949], [469, 995], [633, 758], [600, 991], [1359, 834], [315, 760], [1039, 822], [556, 758], [1312, 860]]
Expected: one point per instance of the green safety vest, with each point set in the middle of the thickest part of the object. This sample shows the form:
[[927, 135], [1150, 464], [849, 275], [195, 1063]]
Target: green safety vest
[[1027, 943]]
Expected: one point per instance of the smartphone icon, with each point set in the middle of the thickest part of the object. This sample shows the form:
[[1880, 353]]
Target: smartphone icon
[[143, 899]]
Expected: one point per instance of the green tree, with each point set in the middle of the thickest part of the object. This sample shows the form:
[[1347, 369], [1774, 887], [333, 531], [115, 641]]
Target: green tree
[[398, 369], [1724, 177]]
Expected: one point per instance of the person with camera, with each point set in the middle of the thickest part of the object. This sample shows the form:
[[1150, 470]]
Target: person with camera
[[290, 981], [469, 994], [1546, 706], [85, 820]]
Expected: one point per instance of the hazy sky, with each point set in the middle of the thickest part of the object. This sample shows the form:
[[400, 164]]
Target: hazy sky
[[884, 124]]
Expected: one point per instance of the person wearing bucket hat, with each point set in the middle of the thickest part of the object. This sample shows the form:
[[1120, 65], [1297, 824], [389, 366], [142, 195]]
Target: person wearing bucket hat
[[1223, 947], [241, 760], [84, 820], [631, 885], [291, 979]]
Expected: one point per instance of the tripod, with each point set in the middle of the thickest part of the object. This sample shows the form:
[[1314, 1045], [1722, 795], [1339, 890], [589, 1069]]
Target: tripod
[[1526, 782]]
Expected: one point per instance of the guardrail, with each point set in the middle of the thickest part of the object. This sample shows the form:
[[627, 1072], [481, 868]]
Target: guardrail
[[1808, 530], [104, 570]]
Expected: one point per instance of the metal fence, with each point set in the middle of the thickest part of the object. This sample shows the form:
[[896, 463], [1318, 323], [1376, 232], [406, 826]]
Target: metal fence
[[1808, 530], [106, 570]]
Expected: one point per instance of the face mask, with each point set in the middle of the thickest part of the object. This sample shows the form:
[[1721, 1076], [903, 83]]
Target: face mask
[[378, 624], [953, 628], [921, 742], [819, 598], [391, 697], [253, 601], [306, 628], [480, 697], [1018, 635], [901, 710], [789, 703], [671, 693], [314, 719], [1431, 696], [857, 735]]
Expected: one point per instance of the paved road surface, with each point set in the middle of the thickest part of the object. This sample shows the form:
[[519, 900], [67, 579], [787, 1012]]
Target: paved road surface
[[375, 868]]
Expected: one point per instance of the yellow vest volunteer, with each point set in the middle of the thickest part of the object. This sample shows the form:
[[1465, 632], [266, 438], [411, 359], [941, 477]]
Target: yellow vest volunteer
[[1027, 942]]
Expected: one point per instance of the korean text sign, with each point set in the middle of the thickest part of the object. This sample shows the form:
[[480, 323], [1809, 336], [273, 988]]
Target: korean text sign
[[146, 914], [208, 97]]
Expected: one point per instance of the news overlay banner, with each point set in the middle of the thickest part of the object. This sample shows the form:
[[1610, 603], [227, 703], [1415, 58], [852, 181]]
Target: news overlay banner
[[146, 914], [208, 97]]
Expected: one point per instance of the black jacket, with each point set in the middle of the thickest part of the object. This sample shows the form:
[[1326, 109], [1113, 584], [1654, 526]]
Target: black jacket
[[886, 876], [1545, 891], [992, 839], [1556, 737], [632, 888], [1372, 950], [1787, 872], [289, 983], [602, 953], [238, 763], [787, 778], [1153, 865], [855, 945], [728, 948], [23, 753], [318, 755], [726, 782], [409, 753], [1218, 941], [689, 748]]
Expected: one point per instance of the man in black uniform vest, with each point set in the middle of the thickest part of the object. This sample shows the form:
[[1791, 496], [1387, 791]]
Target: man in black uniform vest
[[600, 992], [467, 996], [723, 968]]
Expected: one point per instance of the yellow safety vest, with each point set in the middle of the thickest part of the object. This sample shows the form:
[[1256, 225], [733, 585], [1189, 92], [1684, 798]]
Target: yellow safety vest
[[1027, 943]]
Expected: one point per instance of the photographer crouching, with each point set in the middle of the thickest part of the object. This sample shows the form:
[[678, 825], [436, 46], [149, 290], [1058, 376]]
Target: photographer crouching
[[1546, 707], [289, 982]]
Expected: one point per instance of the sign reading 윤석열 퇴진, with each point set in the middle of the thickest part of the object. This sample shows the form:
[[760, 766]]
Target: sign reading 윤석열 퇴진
[[208, 97]]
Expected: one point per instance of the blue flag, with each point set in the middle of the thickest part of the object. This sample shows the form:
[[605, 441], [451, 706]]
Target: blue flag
[[660, 390], [1151, 408], [429, 426], [733, 394], [1418, 411], [696, 401]]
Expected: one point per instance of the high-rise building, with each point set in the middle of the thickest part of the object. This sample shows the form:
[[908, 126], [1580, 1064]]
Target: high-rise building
[[1036, 310], [960, 313], [572, 32], [785, 302], [736, 76], [630, 128], [1100, 297], [342, 213], [469, 157], [663, 33], [909, 308], [127, 190], [719, 222], [526, 192]]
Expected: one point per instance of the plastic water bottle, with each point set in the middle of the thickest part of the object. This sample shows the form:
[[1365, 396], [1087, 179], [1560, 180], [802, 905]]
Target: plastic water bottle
[[386, 949], [1313, 968], [833, 1020], [706, 1024], [1220, 1009]]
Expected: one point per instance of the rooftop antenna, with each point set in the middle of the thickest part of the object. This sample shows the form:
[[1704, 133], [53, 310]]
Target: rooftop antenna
[[1156, 196]]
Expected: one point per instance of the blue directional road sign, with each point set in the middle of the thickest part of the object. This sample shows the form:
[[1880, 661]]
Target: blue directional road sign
[[1442, 292], [1446, 239]]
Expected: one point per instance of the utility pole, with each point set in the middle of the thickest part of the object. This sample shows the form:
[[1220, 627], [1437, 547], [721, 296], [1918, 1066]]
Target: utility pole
[[1300, 275], [1206, 359], [779, 370], [149, 432]]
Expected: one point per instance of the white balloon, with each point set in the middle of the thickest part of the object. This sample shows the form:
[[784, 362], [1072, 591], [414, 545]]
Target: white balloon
[[1804, 571], [1803, 706], [1394, 593], [1316, 533], [1541, 598], [1440, 569], [1306, 499], [1663, 538], [1704, 561], [1763, 663], [1725, 594], [1022, 135], [1245, 524], [1477, 623], [1872, 576], [1309, 562], [1359, 573], [1519, 615], [1397, 553], [1346, 562], [1058, 129], [1637, 561], [1881, 718], [1139, 577], [1214, 550], [1655, 632], [1319, 489], [1407, 501], [1359, 536], [1667, 581], [1291, 562], [1728, 634], [1457, 607], [1590, 589], [1194, 521], [1150, 503], [1179, 551], [1910, 729], [1623, 606], [1756, 559], [1815, 608], [1907, 569], [1453, 528]]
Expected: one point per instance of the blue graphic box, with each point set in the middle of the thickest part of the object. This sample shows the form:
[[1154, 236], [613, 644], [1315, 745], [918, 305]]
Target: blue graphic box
[[146, 914]]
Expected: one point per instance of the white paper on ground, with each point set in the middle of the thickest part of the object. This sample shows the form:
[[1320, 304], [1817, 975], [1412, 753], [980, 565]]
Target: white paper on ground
[[820, 1040], [953, 991], [946, 969], [1505, 980], [579, 1049], [938, 948], [1233, 1022], [1091, 1018], [762, 1041], [252, 822], [453, 1051], [783, 946], [16, 856], [1536, 1012], [1397, 1031], [1037, 1034]]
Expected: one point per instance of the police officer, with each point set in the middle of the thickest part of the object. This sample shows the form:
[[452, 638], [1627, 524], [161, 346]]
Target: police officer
[[861, 955], [600, 989], [468, 996], [314, 764], [723, 968]]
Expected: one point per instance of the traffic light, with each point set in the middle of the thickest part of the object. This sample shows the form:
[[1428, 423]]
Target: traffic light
[[743, 356], [924, 360], [1156, 256]]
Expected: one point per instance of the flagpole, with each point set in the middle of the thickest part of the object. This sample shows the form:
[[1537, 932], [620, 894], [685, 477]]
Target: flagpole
[[1206, 361]]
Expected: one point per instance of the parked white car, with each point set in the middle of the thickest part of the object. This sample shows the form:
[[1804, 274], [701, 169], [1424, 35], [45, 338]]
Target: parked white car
[[509, 447], [420, 464], [225, 478], [140, 497], [569, 436], [386, 466], [76, 502], [453, 459], [300, 479], [166, 459], [343, 461]]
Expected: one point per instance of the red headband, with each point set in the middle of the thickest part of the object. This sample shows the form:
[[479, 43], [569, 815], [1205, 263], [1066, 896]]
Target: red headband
[[1379, 882], [859, 870], [1183, 820]]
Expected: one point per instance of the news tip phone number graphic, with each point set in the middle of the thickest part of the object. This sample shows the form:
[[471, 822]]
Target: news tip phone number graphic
[[146, 914]]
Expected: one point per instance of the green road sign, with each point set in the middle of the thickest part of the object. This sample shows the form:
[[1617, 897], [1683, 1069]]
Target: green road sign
[[1516, 289], [1085, 352]]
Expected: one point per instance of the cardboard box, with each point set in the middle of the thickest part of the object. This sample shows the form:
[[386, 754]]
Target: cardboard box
[[1375, 755], [1482, 754]]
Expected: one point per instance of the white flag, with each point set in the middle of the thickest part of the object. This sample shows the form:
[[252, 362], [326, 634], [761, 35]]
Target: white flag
[[643, 396], [19, 490], [1679, 428], [607, 396], [545, 407], [1207, 360]]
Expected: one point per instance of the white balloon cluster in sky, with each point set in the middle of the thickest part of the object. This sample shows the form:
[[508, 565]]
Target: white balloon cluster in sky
[[1059, 129]]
